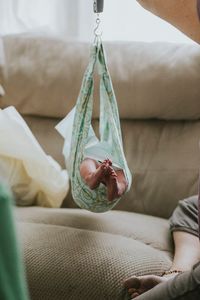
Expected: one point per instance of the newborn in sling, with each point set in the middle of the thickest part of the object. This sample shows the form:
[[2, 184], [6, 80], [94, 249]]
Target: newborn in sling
[[98, 169]]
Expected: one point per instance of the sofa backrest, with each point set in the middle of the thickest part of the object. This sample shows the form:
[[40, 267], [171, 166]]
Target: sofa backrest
[[151, 80], [158, 91]]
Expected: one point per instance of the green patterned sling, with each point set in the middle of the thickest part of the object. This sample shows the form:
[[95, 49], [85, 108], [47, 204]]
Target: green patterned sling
[[109, 130]]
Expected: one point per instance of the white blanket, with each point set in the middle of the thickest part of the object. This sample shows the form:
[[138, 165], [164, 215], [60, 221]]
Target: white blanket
[[34, 177]]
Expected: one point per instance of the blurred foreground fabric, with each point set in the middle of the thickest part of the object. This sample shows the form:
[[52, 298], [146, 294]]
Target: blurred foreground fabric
[[12, 276]]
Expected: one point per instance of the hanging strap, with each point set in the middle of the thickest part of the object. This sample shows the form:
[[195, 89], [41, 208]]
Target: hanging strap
[[107, 91], [109, 115], [85, 103]]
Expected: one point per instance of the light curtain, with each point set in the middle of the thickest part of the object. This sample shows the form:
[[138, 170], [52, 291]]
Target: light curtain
[[127, 20], [74, 19]]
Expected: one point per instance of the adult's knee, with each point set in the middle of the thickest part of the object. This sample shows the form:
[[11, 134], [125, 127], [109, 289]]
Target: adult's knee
[[185, 216]]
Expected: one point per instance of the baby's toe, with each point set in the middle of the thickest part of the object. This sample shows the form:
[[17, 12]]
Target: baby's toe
[[134, 295], [132, 291], [132, 282]]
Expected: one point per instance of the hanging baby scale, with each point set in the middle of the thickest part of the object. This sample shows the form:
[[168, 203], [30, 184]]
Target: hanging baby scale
[[84, 143]]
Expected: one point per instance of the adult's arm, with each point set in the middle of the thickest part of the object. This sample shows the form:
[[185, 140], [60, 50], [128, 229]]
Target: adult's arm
[[183, 14]]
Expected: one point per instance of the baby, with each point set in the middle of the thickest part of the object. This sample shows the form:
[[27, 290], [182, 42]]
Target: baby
[[94, 173], [95, 169]]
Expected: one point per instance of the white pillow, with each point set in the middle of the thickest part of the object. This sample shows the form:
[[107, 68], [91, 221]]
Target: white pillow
[[34, 177]]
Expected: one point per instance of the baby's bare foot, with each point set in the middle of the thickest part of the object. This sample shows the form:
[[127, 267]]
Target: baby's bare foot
[[112, 184], [139, 285], [94, 179], [108, 161], [116, 183]]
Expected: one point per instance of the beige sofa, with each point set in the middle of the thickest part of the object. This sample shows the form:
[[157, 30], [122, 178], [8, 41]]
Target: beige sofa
[[73, 254]]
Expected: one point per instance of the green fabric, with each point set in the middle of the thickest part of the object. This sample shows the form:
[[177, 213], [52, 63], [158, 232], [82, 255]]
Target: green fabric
[[109, 131], [12, 279]]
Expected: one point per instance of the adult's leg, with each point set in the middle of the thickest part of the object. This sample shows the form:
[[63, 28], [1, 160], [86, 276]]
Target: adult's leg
[[184, 225], [185, 286], [187, 251]]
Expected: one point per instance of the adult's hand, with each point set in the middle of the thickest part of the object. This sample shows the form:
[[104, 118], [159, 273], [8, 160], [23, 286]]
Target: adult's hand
[[182, 14]]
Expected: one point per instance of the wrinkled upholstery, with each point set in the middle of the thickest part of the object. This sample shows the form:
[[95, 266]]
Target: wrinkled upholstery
[[73, 254], [151, 80]]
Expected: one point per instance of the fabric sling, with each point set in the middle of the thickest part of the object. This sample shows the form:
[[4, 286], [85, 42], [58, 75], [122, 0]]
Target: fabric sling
[[12, 278], [109, 131]]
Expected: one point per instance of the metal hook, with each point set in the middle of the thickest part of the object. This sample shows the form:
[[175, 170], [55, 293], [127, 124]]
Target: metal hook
[[98, 21]]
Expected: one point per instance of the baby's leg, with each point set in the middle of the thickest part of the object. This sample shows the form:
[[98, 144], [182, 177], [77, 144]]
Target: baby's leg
[[116, 183], [92, 172], [122, 182]]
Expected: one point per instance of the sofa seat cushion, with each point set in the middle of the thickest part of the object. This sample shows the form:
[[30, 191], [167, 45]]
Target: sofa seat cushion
[[74, 254]]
